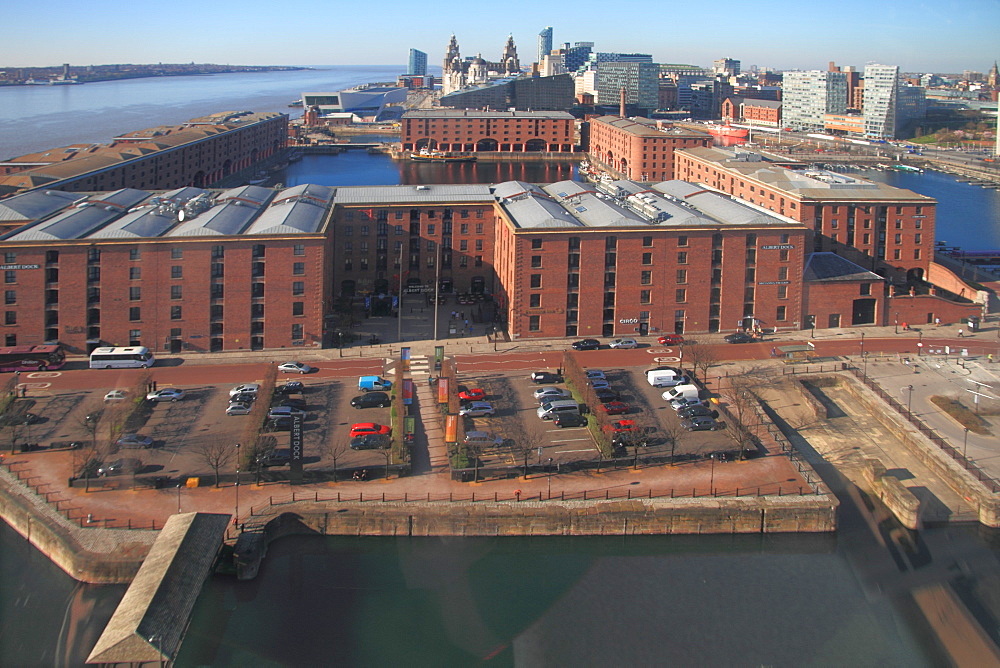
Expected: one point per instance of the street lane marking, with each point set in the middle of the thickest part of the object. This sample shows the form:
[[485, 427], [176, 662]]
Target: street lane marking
[[561, 452], [44, 374]]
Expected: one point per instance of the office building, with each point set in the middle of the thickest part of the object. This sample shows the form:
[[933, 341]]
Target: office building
[[638, 80], [726, 67], [544, 43], [808, 96], [418, 64]]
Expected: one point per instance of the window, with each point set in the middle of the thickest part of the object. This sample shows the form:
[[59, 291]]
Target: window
[[256, 310], [534, 300], [916, 253], [536, 244], [175, 312], [297, 330], [782, 292], [478, 261], [646, 278], [897, 254], [682, 240], [682, 276], [134, 254], [216, 311], [299, 269], [364, 230], [866, 288], [573, 281], [917, 238], [783, 239], [9, 257], [647, 258], [298, 308], [176, 271], [782, 273], [299, 249], [645, 296], [647, 242], [134, 313], [610, 243], [781, 313], [298, 288], [10, 297], [479, 228], [94, 255], [135, 294], [10, 276], [534, 323], [218, 291], [93, 273], [682, 257], [898, 238], [52, 257], [536, 281], [464, 228], [463, 244], [257, 290], [176, 254], [175, 332], [218, 252], [257, 269], [681, 295], [176, 292], [479, 245], [536, 261], [783, 255], [10, 317]]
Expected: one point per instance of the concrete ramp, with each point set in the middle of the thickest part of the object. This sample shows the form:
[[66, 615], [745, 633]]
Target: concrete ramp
[[150, 621]]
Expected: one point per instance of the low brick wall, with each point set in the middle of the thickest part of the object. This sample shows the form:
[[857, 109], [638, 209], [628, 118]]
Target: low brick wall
[[897, 498]]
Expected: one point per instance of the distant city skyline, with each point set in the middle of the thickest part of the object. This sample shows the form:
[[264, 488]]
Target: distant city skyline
[[782, 34]]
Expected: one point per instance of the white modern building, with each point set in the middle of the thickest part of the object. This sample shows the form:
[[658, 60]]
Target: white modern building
[[808, 96]]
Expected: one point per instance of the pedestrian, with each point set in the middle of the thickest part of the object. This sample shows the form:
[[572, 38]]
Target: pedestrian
[[960, 333], [906, 327], [24, 391], [989, 358], [774, 352], [937, 322]]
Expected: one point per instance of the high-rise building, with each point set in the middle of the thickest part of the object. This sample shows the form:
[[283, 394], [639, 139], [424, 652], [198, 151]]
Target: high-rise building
[[808, 96], [881, 100], [544, 43], [726, 66], [418, 63], [637, 79]]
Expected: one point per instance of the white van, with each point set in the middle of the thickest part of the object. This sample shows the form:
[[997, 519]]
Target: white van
[[665, 378], [681, 392], [550, 409]]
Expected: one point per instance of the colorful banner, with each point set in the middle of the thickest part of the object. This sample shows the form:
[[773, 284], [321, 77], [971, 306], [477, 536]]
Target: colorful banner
[[442, 390], [404, 356], [438, 357], [451, 428], [409, 424], [407, 391]]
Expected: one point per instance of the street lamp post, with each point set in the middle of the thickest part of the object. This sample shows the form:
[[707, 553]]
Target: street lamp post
[[895, 322], [178, 498], [236, 516], [550, 477], [965, 447], [909, 397], [864, 357], [711, 484], [920, 343]]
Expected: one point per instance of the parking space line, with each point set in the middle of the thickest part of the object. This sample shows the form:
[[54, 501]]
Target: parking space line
[[560, 452]]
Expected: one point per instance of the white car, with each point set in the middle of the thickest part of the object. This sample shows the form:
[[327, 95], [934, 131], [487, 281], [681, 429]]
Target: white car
[[595, 373], [547, 393], [295, 367], [245, 388], [623, 343], [116, 395], [166, 394], [239, 409]]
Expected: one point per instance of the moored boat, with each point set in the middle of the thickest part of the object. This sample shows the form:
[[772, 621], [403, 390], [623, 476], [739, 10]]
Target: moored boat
[[438, 156]]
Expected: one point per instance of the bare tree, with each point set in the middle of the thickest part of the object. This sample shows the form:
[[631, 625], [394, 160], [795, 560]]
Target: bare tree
[[474, 451], [216, 454], [742, 405], [701, 358], [334, 450], [518, 441], [90, 423], [671, 435]]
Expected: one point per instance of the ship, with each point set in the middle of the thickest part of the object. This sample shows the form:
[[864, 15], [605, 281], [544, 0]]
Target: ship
[[425, 155], [727, 135], [59, 81]]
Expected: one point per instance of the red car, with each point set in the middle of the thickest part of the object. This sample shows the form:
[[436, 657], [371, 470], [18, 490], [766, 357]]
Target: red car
[[671, 340], [364, 428], [475, 394], [623, 425], [615, 407]]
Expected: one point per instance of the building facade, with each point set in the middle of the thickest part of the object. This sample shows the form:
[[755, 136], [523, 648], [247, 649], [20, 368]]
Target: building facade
[[638, 80], [545, 93], [544, 43], [417, 66], [476, 131], [457, 73], [808, 96], [639, 148], [766, 113]]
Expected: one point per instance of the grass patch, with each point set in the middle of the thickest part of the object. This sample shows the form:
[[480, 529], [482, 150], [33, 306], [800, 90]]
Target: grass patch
[[962, 415]]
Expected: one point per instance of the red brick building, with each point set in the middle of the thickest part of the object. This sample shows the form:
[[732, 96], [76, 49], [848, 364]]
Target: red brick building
[[640, 149], [766, 113], [471, 131], [197, 153]]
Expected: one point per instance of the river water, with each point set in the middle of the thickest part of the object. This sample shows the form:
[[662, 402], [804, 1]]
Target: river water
[[683, 600]]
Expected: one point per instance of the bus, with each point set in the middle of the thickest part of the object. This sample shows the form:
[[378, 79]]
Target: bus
[[32, 358], [133, 357]]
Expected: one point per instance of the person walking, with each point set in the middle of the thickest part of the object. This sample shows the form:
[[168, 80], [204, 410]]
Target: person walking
[[960, 333]]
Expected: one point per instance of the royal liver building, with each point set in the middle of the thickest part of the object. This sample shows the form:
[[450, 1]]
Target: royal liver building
[[458, 73]]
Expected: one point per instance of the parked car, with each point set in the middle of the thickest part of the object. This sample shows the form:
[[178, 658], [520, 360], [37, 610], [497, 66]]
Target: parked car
[[623, 425], [701, 423], [290, 387], [166, 394], [671, 340], [545, 377], [285, 411], [277, 457], [115, 395], [586, 344], [739, 337], [477, 409], [482, 440], [281, 423], [562, 420], [550, 392], [293, 402], [475, 394], [239, 408], [698, 410], [623, 343], [362, 428], [134, 441], [243, 398], [594, 373], [615, 408], [629, 439], [606, 394], [599, 383], [371, 399], [296, 367], [685, 402], [245, 388], [122, 465], [371, 442], [11, 419]]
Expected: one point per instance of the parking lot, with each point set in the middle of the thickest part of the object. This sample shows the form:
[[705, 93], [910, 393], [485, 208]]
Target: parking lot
[[524, 434]]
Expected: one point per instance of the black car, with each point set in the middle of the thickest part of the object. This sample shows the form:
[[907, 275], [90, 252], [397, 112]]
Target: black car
[[703, 423], [243, 398], [275, 457], [606, 394], [696, 411], [586, 344], [739, 337], [371, 399], [293, 402], [545, 378], [282, 423], [570, 420], [12, 419], [290, 387], [370, 442], [629, 440]]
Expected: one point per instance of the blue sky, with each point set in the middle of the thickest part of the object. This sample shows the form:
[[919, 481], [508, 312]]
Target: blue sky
[[784, 34]]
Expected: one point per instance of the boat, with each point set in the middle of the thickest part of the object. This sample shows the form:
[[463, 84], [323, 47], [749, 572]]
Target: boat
[[907, 168], [425, 155], [727, 135]]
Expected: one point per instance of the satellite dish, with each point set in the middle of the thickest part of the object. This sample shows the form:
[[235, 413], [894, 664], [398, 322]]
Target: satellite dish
[[180, 216]]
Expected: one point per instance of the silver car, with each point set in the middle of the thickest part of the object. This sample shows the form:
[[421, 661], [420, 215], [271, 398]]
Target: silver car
[[549, 393], [477, 409]]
